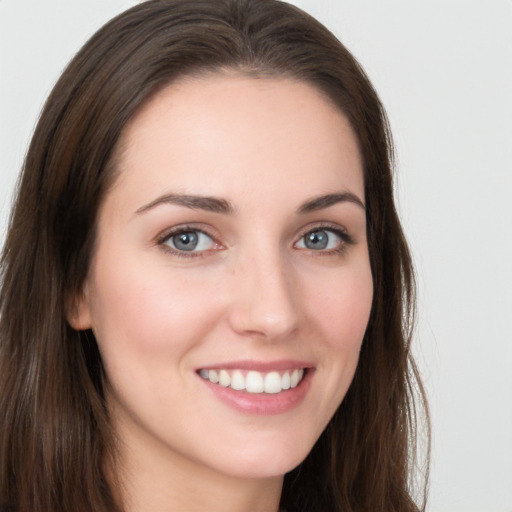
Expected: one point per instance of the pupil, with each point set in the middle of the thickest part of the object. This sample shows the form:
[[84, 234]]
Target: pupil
[[185, 241], [317, 240]]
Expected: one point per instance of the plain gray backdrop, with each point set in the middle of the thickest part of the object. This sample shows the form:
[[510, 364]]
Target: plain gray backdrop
[[444, 72]]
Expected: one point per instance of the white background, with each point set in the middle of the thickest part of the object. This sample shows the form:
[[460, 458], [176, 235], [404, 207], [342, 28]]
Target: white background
[[444, 71]]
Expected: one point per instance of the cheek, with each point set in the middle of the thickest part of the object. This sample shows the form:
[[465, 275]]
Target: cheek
[[147, 311], [338, 314], [342, 308]]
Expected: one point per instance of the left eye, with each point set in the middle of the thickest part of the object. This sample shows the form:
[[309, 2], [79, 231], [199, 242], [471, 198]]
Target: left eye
[[190, 241], [320, 240]]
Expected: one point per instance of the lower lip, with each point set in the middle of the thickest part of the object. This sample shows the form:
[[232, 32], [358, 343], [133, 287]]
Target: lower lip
[[262, 403]]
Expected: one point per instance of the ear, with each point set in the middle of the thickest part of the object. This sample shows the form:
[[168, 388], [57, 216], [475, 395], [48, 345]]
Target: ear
[[78, 311]]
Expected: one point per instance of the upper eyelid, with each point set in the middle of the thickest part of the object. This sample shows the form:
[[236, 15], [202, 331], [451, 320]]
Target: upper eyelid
[[184, 228], [162, 239], [346, 238], [326, 226]]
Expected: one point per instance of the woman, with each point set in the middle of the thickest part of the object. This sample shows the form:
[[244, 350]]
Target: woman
[[206, 294]]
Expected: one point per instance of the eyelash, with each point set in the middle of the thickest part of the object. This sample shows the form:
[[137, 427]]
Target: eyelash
[[346, 240], [167, 235]]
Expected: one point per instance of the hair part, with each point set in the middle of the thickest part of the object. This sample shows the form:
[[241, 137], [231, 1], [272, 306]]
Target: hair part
[[55, 436]]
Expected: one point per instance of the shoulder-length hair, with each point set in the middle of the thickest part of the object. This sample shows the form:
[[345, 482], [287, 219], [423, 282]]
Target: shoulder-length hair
[[55, 434]]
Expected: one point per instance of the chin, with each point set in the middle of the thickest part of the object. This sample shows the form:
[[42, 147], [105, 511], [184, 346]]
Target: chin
[[257, 460]]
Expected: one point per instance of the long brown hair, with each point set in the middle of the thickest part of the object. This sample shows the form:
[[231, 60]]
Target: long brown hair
[[55, 433]]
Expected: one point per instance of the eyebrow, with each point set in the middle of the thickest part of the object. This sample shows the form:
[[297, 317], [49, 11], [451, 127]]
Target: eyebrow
[[218, 205], [210, 204], [319, 203]]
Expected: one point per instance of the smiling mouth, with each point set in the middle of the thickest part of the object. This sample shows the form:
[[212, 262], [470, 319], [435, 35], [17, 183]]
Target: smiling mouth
[[253, 381]]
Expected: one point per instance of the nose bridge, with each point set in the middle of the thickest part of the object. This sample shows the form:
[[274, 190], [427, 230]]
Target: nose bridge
[[263, 299]]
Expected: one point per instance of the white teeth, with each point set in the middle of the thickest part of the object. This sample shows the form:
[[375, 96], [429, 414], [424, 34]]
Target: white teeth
[[224, 378], [296, 377], [272, 382], [237, 380], [254, 382], [285, 381]]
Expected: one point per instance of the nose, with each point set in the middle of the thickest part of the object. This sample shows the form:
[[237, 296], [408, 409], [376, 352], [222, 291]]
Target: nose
[[264, 301]]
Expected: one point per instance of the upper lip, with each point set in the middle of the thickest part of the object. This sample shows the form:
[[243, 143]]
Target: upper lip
[[259, 366]]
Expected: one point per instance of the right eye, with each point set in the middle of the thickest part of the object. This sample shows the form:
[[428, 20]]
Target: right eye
[[189, 241]]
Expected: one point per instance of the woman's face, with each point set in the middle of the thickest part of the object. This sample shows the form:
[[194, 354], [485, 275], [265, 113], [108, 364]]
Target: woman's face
[[231, 253]]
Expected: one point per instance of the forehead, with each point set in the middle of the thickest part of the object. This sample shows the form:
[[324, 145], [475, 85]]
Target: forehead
[[234, 134]]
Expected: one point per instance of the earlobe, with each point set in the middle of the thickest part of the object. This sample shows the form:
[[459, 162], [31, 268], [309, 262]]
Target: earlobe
[[78, 312]]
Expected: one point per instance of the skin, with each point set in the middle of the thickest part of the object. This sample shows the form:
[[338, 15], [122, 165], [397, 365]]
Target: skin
[[254, 291]]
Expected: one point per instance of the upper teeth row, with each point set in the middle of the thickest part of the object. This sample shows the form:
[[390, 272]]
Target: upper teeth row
[[254, 382]]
